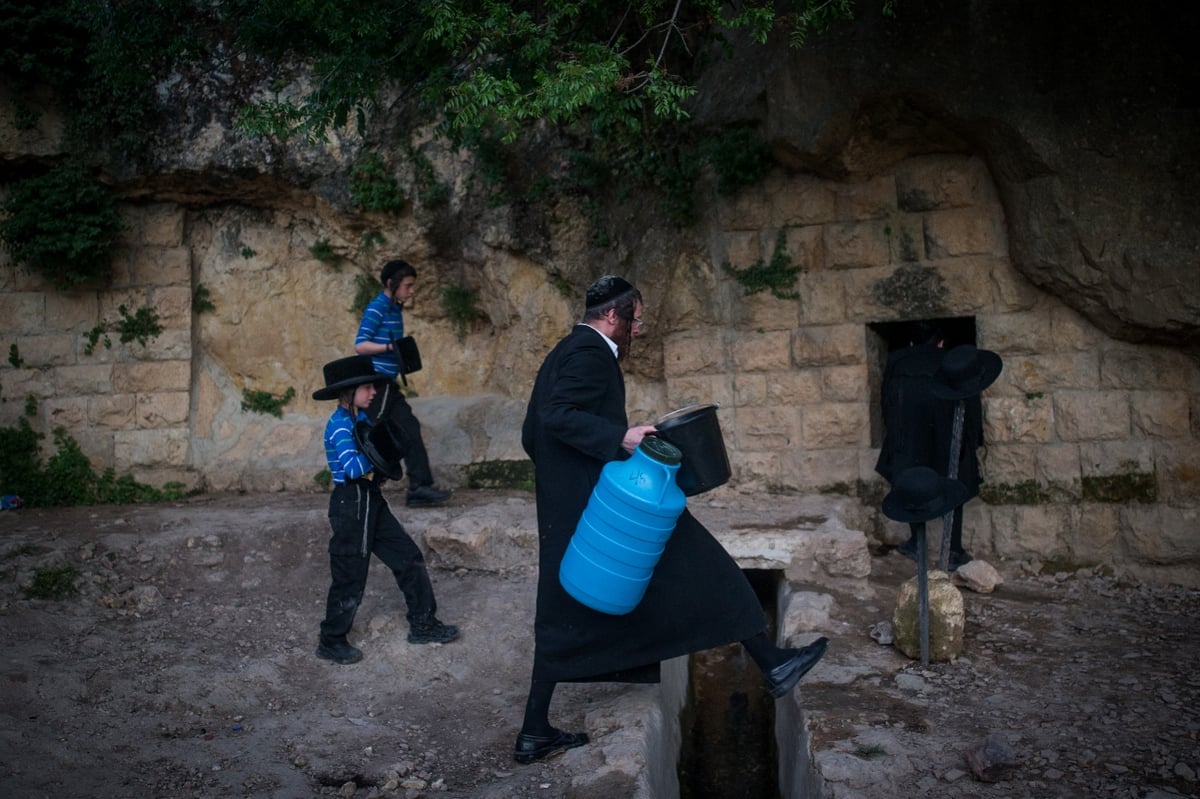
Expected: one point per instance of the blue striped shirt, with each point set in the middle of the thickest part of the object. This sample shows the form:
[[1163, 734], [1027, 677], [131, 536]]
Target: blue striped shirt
[[382, 323], [345, 461]]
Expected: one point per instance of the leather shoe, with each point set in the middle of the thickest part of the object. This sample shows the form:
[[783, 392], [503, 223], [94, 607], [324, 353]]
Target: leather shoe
[[538, 747], [339, 651], [426, 496], [784, 677], [908, 549]]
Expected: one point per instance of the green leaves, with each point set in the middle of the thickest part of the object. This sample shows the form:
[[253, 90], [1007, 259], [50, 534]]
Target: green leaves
[[62, 224]]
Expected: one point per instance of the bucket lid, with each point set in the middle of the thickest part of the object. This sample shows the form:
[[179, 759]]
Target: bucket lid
[[661, 451], [686, 413]]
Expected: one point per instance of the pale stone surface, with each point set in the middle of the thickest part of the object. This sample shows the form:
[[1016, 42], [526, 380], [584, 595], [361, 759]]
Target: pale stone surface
[[978, 576], [830, 425], [1161, 534], [957, 232], [1091, 415], [826, 345], [804, 612], [112, 411], [926, 183], [947, 619], [162, 409], [151, 376], [1018, 420], [1160, 414], [1029, 531], [850, 245], [763, 352]]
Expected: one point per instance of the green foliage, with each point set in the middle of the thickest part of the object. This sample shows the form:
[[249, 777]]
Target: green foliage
[[323, 251], [430, 191], [499, 474], [323, 478], [202, 300], [371, 241], [373, 188], [14, 356], [777, 275], [63, 225], [53, 582], [365, 289], [67, 478], [140, 327], [102, 57], [461, 304], [266, 402], [739, 157], [30, 405], [248, 252]]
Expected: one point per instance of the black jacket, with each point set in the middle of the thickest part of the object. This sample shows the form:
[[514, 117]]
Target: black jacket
[[698, 597]]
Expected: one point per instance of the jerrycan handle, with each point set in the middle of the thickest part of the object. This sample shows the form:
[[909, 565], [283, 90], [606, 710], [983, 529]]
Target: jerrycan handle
[[667, 454]]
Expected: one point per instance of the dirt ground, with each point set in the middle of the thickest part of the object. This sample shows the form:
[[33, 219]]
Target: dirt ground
[[184, 667]]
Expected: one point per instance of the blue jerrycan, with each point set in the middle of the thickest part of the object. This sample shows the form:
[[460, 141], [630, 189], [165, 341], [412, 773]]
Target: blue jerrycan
[[624, 529]]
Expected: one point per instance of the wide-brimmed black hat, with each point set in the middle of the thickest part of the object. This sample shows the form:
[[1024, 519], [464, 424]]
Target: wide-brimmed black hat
[[346, 373], [920, 494], [965, 371]]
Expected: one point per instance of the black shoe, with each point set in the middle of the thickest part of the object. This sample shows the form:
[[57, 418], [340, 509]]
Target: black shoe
[[426, 496], [784, 677], [908, 549], [957, 559], [431, 631], [539, 747], [339, 651]]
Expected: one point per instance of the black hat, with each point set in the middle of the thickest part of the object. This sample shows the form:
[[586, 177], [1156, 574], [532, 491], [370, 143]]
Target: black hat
[[346, 373], [606, 289], [965, 372], [920, 494]]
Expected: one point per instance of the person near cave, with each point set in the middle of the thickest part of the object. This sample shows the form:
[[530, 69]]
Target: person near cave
[[362, 524], [380, 332], [697, 598]]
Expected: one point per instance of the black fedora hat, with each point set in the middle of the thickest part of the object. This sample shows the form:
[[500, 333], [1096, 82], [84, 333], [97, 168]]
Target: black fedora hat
[[346, 373], [920, 494], [965, 371]]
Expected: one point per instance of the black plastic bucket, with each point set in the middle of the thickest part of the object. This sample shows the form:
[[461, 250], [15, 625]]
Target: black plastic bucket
[[697, 433]]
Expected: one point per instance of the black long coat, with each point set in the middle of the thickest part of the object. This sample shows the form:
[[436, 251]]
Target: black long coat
[[697, 598], [918, 426]]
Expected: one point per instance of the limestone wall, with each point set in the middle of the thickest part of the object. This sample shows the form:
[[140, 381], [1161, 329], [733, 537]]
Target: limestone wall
[[1091, 443]]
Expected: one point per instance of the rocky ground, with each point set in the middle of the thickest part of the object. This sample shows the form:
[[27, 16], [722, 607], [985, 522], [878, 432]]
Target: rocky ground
[[184, 667]]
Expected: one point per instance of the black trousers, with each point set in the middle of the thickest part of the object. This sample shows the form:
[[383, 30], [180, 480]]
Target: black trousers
[[363, 525], [389, 399]]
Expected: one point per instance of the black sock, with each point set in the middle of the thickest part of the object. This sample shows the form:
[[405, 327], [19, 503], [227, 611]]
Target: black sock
[[764, 653], [537, 709]]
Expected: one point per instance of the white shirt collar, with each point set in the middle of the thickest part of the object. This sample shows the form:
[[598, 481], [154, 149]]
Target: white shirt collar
[[612, 345]]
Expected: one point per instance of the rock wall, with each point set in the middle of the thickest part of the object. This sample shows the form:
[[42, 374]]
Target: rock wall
[[959, 202]]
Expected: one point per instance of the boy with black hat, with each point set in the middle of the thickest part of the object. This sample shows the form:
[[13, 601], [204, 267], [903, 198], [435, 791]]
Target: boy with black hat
[[379, 333], [362, 523]]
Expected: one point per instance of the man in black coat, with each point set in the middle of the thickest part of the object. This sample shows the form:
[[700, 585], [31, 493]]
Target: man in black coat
[[697, 598]]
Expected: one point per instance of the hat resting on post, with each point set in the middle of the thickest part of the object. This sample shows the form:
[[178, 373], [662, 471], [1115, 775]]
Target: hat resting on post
[[920, 494], [964, 372], [346, 373]]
